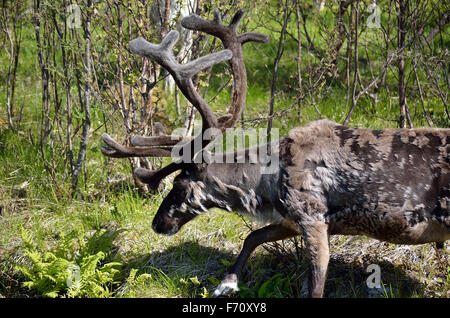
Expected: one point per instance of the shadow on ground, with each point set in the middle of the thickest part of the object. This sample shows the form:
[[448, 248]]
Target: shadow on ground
[[344, 279]]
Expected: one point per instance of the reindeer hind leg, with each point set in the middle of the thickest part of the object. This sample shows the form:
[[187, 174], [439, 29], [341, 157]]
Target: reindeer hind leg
[[316, 239]]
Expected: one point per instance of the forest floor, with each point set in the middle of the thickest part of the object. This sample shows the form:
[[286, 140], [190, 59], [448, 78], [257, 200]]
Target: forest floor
[[116, 219], [104, 232]]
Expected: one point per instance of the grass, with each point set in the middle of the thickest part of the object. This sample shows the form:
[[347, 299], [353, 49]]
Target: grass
[[192, 263], [28, 202]]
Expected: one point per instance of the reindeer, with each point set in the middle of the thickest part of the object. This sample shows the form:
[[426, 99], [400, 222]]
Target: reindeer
[[392, 184]]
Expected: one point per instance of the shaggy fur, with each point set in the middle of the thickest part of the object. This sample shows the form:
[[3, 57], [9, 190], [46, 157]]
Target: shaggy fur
[[393, 185]]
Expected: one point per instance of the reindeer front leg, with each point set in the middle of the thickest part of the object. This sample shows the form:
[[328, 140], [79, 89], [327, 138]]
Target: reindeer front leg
[[316, 239], [266, 234]]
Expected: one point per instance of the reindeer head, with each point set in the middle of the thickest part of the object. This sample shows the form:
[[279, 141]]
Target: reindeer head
[[189, 197], [200, 187]]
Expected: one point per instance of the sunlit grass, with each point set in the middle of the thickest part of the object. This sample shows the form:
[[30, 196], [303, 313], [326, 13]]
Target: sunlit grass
[[38, 198]]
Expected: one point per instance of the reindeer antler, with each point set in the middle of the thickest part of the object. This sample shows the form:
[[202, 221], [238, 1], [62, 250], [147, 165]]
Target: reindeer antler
[[233, 41], [182, 73]]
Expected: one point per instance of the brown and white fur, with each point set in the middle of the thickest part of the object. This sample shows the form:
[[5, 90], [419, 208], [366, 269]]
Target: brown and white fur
[[392, 185]]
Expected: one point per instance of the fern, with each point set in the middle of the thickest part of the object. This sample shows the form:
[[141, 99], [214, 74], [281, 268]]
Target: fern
[[71, 272], [94, 281], [47, 274]]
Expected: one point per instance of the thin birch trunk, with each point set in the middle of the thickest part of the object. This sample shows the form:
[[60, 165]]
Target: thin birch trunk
[[299, 60], [280, 51], [87, 101]]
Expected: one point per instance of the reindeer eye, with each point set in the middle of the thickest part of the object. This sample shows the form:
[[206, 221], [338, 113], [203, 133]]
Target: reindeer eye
[[178, 185]]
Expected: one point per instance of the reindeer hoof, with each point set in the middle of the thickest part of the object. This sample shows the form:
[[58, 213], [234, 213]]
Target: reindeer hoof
[[227, 286]]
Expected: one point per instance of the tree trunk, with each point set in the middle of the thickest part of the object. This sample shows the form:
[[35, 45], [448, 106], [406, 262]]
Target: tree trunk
[[299, 60], [351, 23], [280, 51], [87, 100], [340, 34], [45, 124], [356, 61], [401, 20]]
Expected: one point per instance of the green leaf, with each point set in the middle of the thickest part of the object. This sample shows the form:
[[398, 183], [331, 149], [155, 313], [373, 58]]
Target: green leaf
[[195, 280]]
